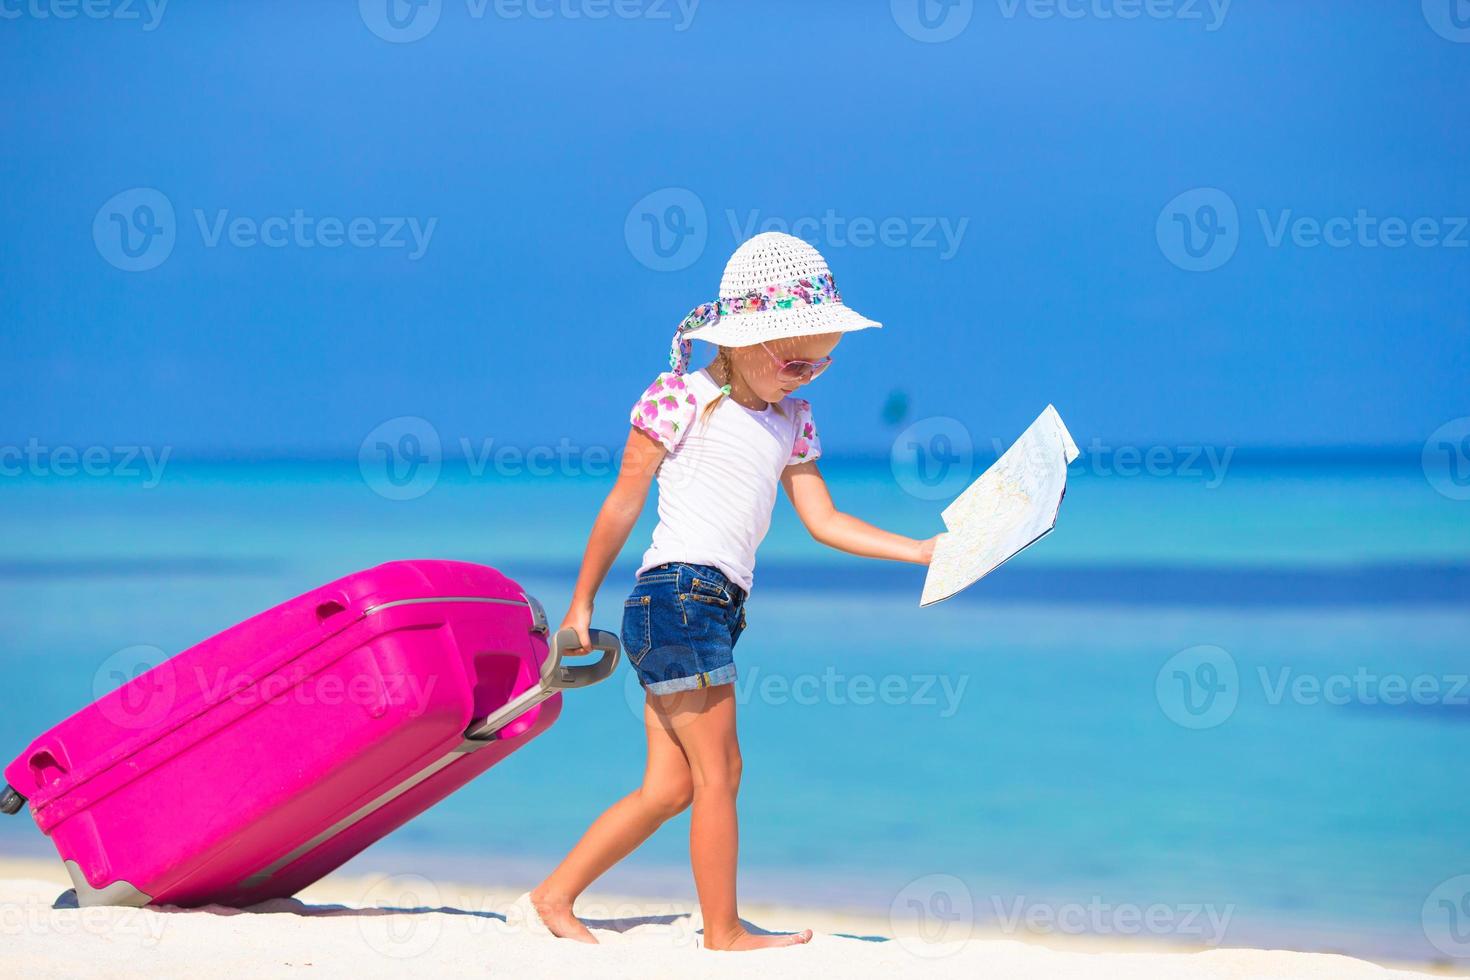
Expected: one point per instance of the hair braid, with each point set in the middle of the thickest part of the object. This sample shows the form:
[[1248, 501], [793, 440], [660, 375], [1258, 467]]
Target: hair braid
[[722, 359]]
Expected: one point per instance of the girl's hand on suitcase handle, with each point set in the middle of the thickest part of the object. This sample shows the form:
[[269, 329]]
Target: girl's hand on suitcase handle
[[578, 619], [558, 674]]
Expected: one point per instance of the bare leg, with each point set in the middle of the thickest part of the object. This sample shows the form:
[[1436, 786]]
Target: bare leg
[[704, 723], [666, 791]]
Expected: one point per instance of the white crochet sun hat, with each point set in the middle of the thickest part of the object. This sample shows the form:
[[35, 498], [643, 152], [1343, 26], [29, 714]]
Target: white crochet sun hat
[[775, 286]]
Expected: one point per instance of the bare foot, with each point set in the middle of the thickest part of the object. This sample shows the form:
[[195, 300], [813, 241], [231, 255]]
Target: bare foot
[[558, 918], [741, 940]]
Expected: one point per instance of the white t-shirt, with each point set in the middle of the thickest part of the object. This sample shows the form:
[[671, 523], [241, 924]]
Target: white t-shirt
[[717, 485]]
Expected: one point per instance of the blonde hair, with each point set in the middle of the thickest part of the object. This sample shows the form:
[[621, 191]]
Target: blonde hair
[[723, 359]]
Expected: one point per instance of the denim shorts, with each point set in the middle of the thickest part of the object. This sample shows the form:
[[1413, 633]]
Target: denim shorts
[[680, 625]]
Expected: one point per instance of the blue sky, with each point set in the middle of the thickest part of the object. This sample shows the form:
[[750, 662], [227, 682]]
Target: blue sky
[[459, 226]]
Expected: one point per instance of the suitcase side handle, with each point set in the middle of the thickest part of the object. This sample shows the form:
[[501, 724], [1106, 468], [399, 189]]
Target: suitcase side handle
[[555, 676], [563, 676]]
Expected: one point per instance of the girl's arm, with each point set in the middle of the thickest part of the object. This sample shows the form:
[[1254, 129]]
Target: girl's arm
[[641, 456], [808, 493]]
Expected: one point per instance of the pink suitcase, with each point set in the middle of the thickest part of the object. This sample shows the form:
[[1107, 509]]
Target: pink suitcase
[[254, 763]]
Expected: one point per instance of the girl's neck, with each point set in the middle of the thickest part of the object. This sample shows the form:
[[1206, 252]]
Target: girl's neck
[[740, 392]]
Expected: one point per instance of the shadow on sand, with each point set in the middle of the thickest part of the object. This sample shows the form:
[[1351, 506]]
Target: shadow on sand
[[294, 906]]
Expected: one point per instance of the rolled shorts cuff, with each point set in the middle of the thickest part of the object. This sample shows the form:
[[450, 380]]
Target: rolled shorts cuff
[[712, 678]]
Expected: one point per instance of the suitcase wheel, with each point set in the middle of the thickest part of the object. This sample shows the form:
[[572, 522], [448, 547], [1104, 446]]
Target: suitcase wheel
[[11, 801]]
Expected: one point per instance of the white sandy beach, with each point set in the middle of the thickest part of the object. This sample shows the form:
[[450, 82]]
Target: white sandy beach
[[368, 927]]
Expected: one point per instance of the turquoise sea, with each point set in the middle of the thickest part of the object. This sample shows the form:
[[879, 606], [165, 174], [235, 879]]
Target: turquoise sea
[[1240, 701]]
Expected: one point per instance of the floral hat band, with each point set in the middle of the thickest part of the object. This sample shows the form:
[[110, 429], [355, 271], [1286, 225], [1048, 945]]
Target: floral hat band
[[806, 291]]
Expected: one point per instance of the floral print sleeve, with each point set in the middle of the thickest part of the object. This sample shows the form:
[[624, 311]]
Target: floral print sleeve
[[665, 410], [807, 446]]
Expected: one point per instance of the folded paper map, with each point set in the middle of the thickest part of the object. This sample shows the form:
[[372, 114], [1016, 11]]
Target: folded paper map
[[1011, 506]]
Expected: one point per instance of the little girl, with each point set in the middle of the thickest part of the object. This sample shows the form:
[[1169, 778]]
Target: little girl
[[719, 440]]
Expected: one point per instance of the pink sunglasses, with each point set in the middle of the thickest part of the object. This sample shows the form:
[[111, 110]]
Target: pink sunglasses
[[798, 370]]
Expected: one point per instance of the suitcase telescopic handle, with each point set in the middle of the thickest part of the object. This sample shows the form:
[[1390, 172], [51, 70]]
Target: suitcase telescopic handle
[[555, 676], [562, 676]]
